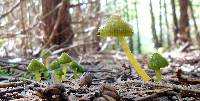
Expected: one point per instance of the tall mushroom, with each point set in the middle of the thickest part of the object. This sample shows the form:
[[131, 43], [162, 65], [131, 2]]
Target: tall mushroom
[[116, 27]]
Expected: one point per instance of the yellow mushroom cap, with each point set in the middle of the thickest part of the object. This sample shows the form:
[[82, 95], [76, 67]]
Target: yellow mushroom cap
[[115, 26]]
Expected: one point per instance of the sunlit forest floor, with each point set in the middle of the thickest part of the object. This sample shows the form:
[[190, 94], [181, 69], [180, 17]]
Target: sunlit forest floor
[[109, 77]]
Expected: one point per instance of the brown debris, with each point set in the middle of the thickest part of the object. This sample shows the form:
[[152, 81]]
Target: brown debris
[[185, 80], [52, 92], [108, 91], [85, 80]]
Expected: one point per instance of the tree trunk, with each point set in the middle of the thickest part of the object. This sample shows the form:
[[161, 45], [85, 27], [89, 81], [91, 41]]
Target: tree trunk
[[167, 25], [126, 10], [155, 37], [184, 21], [195, 24], [57, 23], [175, 21], [137, 25], [160, 23]]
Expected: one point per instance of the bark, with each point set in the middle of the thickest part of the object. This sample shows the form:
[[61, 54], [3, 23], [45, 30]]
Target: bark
[[57, 23], [155, 37], [184, 21], [175, 21]]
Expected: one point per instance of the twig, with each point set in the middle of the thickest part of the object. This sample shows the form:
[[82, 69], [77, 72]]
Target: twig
[[9, 62], [52, 11], [80, 4], [72, 46], [10, 10]]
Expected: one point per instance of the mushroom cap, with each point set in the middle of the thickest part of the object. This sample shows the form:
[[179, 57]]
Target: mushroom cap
[[157, 61], [35, 65], [64, 58], [45, 54], [115, 26], [76, 67], [54, 65], [59, 71]]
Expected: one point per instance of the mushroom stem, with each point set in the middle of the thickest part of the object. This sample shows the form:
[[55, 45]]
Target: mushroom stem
[[47, 63], [64, 66], [37, 76], [133, 60], [57, 78], [158, 75]]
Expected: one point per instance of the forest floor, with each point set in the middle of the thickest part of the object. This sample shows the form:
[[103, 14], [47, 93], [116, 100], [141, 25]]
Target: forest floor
[[112, 79]]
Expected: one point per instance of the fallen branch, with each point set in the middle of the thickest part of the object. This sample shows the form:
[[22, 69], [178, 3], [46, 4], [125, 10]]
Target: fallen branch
[[184, 90], [185, 80], [166, 92], [13, 84]]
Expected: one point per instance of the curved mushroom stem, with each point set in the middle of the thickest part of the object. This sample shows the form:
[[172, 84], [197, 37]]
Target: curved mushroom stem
[[133, 60], [158, 75]]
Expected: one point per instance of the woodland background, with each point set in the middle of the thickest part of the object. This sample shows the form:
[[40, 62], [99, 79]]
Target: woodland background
[[28, 26]]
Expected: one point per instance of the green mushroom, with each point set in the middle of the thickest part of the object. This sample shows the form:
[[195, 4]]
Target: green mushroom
[[57, 70], [54, 65], [64, 59], [156, 62], [77, 68], [36, 67], [45, 54]]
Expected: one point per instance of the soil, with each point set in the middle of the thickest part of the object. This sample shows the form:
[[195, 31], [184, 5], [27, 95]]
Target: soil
[[110, 77]]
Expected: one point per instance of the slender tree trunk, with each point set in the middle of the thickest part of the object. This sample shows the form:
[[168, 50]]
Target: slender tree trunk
[[96, 38], [131, 45], [175, 21], [25, 44], [160, 23], [137, 25], [194, 21], [184, 21], [167, 25], [155, 37], [62, 32]]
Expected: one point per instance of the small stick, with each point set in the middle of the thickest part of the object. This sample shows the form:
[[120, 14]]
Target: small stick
[[13, 84]]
